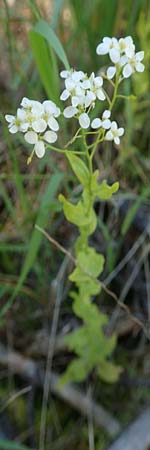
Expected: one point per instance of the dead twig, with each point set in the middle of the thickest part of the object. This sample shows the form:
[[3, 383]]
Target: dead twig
[[136, 436], [108, 291], [31, 371]]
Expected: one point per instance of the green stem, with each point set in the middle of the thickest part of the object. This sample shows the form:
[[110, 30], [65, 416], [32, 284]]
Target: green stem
[[87, 153], [74, 138], [59, 150], [115, 90]]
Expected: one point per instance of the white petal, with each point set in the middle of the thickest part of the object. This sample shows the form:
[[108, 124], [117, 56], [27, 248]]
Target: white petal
[[40, 149], [116, 140], [139, 67], [114, 55], [70, 111], [130, 51], [57, 112], [100, 94], [114, 125], [24, 127], [111, 72], [10, 118], [75, 101], [127, 70], [49, 107], [65, 73], [39, 125], [13, 129], [77, 75], [21, 114], [31, 137], [26, 103], [120, 131], [96, 123], [123, 60], [106, 114], [106, 124], [84, 120], [53, 124], [50, 137], [69, 83], [86, 84], [98, 81], [37, 109], [109, 136], [89, 98], [139, 56], [102, 49], [65, 95]]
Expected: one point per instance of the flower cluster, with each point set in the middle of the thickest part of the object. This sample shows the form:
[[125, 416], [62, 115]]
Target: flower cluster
[[82, 92], [113, 133], [122, 54], [38, 121]]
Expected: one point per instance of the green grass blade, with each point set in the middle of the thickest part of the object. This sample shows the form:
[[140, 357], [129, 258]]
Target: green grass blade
[[133, 210], [9, 445], [46, 64], [8, 203], [57, 7], [18, 178], [44, 29], [36, 237]]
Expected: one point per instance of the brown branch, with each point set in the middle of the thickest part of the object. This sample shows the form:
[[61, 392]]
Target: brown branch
[[108, 291]]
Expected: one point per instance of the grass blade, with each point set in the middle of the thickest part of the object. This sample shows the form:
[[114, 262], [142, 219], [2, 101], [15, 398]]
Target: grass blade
[[9, 445], [44, 29], [46, 64], [36, 237]]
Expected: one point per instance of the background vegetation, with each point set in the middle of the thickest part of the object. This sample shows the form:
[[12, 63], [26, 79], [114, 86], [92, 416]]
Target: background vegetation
[[28, 195]]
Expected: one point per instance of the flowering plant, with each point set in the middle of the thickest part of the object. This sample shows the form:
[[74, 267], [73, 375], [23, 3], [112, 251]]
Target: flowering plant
[[39, 124]]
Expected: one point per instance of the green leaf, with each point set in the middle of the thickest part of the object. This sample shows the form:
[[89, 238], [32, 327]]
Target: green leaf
[[46, 64], [108, 372], [80, 277], [79, 168], [44, 29], [103, 191], [76, 371], [91, 262], [86, 310], [77, 214]]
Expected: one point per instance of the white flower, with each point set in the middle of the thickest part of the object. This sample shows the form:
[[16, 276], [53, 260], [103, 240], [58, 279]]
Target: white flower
[[51, 111], [33, 119], [28, 104], [33, 113], [104, 122], [74, 74], [109, 46], [126, 46], [134, 64], [18, 122], [39, 146], [73, 87], [96, 86], [114, 133]]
